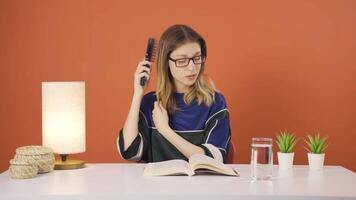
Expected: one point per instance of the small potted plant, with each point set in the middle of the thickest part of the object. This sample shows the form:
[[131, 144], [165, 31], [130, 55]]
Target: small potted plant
[[286, 142], [316, 147]]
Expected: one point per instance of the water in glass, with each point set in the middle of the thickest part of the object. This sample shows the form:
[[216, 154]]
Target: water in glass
[[261, 158]]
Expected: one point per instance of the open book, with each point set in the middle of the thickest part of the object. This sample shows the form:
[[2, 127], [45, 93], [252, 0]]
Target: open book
[[197, 163]]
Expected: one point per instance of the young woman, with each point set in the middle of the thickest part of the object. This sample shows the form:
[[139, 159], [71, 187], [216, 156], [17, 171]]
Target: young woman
[[185, 116]]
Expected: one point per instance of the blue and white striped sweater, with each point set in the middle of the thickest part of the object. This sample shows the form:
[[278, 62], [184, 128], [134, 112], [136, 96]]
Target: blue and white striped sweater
[[205, 126]]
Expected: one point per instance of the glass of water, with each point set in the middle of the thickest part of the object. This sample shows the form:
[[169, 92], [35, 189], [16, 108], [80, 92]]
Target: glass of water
[[261, 158]]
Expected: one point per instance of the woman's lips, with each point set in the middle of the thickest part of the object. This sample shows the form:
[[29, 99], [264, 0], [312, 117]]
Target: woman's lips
[[191, 77]]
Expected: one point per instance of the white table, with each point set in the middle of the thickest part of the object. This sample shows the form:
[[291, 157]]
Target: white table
[[125, 181]]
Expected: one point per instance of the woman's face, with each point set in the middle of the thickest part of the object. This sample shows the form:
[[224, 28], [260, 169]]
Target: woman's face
[[185, 76]]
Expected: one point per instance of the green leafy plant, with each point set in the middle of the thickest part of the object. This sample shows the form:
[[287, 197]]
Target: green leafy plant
[[286, 141], [316, 144]]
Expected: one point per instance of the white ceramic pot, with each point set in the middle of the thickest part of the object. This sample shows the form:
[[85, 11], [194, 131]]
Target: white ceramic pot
[[316, 161], [285, 160]]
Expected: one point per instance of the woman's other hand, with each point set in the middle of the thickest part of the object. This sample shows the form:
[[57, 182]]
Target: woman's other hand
[[160, 117]]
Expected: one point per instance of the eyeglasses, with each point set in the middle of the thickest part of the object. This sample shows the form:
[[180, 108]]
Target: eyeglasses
[[183, 62]]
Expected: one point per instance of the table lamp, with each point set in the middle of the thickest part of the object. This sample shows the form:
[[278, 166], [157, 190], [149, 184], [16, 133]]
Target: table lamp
[[63, 120]]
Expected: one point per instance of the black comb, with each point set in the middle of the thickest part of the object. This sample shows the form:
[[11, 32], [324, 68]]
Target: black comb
[[149, 56]]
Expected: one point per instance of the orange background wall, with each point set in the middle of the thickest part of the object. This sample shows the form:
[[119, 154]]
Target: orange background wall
[[280, 64]]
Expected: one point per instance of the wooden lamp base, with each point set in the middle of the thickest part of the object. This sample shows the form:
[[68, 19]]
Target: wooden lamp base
[[65, 164]]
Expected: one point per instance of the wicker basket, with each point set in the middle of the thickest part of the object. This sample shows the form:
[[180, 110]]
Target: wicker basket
[[22, 169], [42, 156]]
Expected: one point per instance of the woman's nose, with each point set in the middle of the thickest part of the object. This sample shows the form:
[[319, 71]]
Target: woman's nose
[[191, 66]]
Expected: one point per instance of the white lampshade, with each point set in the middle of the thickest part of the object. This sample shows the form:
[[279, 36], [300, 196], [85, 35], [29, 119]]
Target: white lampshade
[[63, 116]]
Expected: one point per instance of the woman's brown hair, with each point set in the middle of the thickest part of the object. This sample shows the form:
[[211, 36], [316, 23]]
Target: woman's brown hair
[[171, 39]]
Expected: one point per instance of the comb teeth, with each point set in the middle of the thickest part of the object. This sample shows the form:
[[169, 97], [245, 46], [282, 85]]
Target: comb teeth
[[151, 50]]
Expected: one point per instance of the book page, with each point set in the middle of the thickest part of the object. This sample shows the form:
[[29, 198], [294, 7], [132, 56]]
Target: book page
[[200, 161], [170, 167]]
